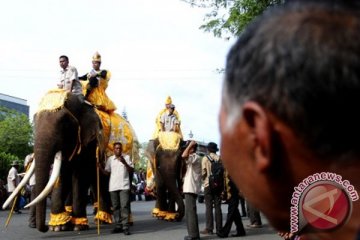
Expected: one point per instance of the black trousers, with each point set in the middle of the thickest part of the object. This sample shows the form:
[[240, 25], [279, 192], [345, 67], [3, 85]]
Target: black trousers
[[233, 215], [254, 215]]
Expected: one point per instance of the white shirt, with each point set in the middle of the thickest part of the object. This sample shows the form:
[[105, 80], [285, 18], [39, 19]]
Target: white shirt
[[192, 179], [119, 175], [69, 80], [169, 121], [28, 158], [11, 177]]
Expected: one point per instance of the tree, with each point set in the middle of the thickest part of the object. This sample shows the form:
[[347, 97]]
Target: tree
[[228, 18], [5, 162], [142, 161], [16, 133]]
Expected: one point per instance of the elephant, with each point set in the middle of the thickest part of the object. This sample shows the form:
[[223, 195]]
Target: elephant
[[168, 168], [71, 136]]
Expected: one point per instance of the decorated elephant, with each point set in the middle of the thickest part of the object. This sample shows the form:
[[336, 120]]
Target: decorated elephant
[[164, 154], [68, 135]]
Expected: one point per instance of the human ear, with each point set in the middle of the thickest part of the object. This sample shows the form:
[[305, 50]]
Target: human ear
[[260, 129]]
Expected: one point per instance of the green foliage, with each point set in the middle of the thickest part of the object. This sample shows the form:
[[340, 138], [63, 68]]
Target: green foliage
[[16, 133], [228, 18], [142, 161], [5, 164]]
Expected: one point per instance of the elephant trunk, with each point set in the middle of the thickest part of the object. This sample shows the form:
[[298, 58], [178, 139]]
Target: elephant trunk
[[44, 160]]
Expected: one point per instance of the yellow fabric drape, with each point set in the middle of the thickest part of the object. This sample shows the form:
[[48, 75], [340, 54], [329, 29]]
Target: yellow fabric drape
[[116, 129], [98, 96], [59, 219], [169, 140]]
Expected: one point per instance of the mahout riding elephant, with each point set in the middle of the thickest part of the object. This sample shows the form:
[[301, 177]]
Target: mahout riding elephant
[[164, 154], [69, 136]]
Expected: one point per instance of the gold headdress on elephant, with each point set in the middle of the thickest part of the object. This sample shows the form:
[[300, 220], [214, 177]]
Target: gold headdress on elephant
[[96, 57]]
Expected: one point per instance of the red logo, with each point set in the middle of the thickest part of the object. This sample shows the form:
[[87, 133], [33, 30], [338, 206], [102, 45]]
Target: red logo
[[325, 205]]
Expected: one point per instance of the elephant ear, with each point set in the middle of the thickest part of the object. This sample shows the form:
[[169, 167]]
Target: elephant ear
[[91, 127]]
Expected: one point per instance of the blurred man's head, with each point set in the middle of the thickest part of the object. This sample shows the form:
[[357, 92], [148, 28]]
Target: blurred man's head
[[291, 88]]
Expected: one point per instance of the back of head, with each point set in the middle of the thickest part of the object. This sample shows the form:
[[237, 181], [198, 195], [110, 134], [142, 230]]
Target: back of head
[[301, 62]]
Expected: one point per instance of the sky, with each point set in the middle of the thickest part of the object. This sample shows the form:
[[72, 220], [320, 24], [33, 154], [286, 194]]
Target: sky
[[153, 48]]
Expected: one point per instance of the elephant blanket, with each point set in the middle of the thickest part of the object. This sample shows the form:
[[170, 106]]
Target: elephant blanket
[[53, 100], [116, 129]]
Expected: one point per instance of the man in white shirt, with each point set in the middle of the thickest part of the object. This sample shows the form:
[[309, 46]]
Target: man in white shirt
[[191, 188], [12, 181], [169, 121], [69, 80], [119, 167]]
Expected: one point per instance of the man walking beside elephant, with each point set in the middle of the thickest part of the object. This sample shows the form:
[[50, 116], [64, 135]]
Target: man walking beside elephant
[[119, 167], [212, 199]]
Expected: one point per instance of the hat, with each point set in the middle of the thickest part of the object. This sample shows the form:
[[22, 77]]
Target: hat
[[168, 100], [96, 57], [15, 163], [212, 147]]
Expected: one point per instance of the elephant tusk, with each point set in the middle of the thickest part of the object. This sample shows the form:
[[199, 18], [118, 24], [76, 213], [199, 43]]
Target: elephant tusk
[[23, 182], [54, 175]]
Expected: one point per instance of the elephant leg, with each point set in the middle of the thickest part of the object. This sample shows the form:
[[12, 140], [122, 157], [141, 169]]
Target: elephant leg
[[80, 180], [175, 197], [162, 197], [60, 220], [103, 213]]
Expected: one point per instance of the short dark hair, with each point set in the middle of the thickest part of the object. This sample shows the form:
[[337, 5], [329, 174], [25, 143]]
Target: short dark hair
[[301, 61], [63, 56], [117, 143]]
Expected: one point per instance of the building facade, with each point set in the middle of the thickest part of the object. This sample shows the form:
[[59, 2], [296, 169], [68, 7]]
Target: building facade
[[14, 103]]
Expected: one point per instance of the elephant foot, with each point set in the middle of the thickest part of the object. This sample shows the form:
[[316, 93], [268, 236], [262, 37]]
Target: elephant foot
[[155, 212], [171, 217], [103, 217], [61, 228], [161, 215], [81, 227]]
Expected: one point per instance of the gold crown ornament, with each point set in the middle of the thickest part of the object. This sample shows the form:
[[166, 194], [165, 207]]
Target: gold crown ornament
[[96, 57], [168, 100]]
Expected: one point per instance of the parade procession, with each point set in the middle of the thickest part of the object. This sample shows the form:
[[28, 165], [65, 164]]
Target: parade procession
[[180, 119]]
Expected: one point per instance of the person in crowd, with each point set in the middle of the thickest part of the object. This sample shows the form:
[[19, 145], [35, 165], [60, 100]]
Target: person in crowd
[[291, 90], [119, 167], [191, 188], [13, 180], [3, 192], [233, 215], [254, 216], [32, 213], [69, 80], [212, 199]]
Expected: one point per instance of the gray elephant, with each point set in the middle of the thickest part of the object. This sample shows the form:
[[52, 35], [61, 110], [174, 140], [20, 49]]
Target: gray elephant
[[69, 136], [167, 168]]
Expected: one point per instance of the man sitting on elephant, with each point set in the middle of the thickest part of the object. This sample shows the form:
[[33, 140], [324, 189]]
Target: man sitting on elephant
[[97, 84], [165, 110], [169, 121], [69, 80]]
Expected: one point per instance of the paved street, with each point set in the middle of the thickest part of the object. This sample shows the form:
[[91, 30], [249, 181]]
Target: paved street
[[145, 227]]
